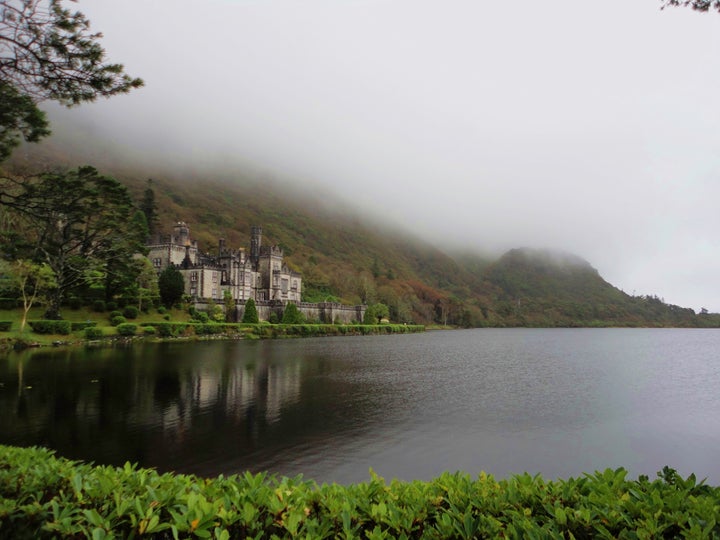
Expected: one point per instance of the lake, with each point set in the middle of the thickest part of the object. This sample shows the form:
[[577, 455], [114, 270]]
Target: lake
[[558, 402]]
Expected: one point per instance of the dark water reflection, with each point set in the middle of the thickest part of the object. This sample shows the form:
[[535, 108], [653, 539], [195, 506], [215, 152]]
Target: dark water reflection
[[558, 402]]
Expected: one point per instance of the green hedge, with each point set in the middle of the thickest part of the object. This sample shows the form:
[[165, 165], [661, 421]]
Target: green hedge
[[170, 329], [75, 326], [265, 330], [51, 327], [10, 303], [5, 326], [42, 496]]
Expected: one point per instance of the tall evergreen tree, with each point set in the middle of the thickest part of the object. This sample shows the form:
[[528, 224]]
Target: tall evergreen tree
[[250, 315], [148, 207], [171, 285]]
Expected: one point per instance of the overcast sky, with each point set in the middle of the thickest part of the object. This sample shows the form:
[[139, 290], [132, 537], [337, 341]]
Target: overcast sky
[[590, 127]]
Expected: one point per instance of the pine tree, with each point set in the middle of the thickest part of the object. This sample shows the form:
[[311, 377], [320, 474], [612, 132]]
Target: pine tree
[[250, 315], [149, 208]]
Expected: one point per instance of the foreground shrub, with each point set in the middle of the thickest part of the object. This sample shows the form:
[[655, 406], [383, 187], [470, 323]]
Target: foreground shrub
[[99, 306], [149, 330], [47, 497], [5, 326]]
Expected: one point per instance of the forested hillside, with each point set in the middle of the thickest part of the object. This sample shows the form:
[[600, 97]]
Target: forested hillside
[[347, 257]]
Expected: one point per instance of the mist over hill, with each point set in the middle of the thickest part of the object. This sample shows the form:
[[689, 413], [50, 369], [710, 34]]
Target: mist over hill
[[353, 257]]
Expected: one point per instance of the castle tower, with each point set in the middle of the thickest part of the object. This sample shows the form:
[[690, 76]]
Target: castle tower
[[181, 233], [255, 243]]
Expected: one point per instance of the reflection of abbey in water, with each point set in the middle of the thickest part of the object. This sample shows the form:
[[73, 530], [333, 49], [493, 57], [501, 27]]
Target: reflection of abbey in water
[[262, 275]]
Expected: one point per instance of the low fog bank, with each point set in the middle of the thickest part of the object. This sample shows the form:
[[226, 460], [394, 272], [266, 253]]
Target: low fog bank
[[628, 256], [480, 127]]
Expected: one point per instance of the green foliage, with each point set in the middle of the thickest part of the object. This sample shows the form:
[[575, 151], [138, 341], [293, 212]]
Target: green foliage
[[111, 306], [171, 286], [19, 119], [292, 315], [127, 329], [375, 313], [168, 329], [9, 303], [99, 306], [230, 305], [50, 327], [199, 316], [273, 318], [49, 53], [130, 312], [48, 497], [93, 333], [91, 245], [118, 320], [149, 330], [5, 326], [82, 325], [250, 315], [34, 283]]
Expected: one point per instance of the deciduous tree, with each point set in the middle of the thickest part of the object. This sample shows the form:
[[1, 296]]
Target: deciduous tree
[[77, 222], [33, 281], [376, 313], [229, 301]]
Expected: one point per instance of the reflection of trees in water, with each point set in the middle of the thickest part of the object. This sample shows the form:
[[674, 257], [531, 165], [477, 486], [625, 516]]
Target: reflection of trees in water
[[166, 404]]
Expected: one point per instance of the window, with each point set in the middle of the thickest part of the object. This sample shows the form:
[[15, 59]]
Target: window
[[284, 285], [193, 276], [157, 262], [214, 277]]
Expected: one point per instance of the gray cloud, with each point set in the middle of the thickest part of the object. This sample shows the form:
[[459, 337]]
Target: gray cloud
[[592, 128]]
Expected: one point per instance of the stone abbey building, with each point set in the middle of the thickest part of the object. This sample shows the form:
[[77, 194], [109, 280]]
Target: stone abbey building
[[260, 274]]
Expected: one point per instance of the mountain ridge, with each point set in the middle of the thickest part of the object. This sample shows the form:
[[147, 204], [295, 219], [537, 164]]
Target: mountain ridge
[[347, 257]]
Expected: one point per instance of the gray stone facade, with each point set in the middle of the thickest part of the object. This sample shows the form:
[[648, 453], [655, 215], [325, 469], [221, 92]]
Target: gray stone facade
[[262, 275]]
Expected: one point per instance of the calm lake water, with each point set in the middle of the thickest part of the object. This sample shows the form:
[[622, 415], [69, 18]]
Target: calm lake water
[[558, 402]]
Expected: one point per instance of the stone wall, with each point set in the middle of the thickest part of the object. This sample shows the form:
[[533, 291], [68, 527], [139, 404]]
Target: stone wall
[[325, 312]]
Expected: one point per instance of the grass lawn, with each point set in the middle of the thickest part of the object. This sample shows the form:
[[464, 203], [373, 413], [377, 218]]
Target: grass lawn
[[76, 315]]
